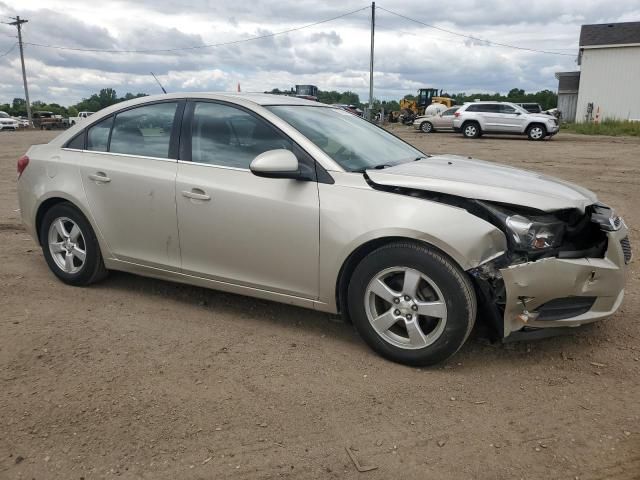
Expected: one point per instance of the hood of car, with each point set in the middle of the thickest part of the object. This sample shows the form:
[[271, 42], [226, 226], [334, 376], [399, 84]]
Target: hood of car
[[540, 116], [481, 180], [422, 117]]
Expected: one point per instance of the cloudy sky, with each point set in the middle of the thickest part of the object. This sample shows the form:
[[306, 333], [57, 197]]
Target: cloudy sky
[[332, 55]]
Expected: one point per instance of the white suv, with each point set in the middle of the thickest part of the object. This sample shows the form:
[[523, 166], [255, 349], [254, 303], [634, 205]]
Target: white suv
[[7, 122], [474, 119]]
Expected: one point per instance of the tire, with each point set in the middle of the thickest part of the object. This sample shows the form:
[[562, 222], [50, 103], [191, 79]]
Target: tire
[[471, 130], [410, 336], [60, 240], [426, 127], [536, 132]]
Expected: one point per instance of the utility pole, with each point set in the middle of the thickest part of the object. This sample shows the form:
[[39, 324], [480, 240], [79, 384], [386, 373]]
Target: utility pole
[[373, 29], [18, 23]]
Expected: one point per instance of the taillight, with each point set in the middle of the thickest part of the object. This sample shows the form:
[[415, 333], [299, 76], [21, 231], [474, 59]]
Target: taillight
[[23, 161], [456, 114]]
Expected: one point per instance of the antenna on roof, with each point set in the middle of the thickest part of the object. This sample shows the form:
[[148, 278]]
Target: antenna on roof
[[156, 78]]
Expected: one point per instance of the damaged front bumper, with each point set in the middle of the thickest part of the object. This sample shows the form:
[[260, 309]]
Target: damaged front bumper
[[555, 292]]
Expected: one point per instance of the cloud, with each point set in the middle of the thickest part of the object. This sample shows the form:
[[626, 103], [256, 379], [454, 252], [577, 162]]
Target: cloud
[[332, 55]]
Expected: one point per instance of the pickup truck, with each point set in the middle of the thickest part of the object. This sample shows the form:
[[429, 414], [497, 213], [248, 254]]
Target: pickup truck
[[48, 121], [81, 115]]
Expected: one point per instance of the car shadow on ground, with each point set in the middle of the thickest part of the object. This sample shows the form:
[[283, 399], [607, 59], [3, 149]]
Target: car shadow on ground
[[482, 349]]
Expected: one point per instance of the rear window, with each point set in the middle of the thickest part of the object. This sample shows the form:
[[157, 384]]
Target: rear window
[[484, 107], [77, 142]]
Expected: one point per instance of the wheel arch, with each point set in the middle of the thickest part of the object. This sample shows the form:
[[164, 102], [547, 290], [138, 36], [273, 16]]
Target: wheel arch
[[56, 199], [359, 253], [468, 121], [534, 123]]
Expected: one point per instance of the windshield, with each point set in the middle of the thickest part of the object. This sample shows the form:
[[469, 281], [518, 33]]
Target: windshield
[[355, 144], [4, 115]]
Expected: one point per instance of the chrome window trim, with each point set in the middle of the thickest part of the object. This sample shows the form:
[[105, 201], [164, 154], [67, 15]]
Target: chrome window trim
[[188, 162], [144, 157]]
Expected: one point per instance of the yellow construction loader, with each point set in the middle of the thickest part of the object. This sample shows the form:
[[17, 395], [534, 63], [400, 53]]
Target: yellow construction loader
[[410, 109]]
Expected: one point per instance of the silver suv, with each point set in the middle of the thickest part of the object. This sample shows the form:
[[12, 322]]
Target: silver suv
[[474, 119]]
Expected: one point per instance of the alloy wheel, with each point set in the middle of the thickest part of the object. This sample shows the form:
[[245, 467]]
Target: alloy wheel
[[405, 307], [470, 130], [67, 245], [536, 133]]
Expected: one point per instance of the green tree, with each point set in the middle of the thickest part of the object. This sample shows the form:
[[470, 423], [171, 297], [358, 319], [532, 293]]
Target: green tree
[[546, 98]]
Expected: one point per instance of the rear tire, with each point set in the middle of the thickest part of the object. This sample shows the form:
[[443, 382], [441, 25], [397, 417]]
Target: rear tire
[[70, 246], [536, 132], [471, 130], [411, 303]]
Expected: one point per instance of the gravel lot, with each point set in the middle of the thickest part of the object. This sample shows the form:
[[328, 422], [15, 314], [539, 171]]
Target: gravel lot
[[142, 378]]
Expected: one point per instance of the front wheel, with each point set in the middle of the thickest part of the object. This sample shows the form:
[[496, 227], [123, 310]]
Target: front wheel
[[536, 132], [426, 127], [411, 303]]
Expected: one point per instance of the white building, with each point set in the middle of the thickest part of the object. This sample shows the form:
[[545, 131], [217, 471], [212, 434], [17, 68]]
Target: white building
[[609, 72]]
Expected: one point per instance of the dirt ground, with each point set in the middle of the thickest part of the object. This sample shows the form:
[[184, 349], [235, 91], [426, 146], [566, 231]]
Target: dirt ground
[[140, 378]]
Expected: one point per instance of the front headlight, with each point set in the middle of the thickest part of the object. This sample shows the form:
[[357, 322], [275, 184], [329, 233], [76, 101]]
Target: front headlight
[[534, 234]]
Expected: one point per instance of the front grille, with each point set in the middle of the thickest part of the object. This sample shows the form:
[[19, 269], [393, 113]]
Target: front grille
[[617, 221], [626, 249]]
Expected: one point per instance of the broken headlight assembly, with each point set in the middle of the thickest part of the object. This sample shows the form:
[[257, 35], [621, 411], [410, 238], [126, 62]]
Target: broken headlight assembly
[[527, 230], [534, 233]]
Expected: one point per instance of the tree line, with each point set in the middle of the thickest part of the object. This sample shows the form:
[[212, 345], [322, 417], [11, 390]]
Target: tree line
[[97, 101], [108, 96]]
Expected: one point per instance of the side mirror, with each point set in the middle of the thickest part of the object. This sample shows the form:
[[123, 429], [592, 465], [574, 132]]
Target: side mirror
[[278, 163], [518, 113]]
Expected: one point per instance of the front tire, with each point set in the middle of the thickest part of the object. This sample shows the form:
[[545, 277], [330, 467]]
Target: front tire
[[536, 132], [411, 303], [471, 130], [426, 127], [70, 246]]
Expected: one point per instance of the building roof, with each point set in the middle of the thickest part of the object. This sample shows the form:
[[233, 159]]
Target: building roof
[[610, 34], [568, 82]]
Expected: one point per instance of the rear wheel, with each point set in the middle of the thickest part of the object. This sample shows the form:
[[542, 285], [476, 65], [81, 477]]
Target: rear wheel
[[426, 127], [70, 246], [471, 130], [536, 132], [411, 303]]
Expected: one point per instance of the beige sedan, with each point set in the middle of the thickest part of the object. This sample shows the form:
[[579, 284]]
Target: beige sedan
[[298, 202], [439, 122]]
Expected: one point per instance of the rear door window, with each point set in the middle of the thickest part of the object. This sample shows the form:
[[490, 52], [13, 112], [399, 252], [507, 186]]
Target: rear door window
[[144, 131]]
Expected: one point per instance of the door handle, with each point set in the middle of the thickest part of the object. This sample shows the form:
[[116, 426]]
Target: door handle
[[196, 194], [99, 177]]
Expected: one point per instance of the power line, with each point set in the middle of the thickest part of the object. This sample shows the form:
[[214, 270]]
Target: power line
[[9, 51], [471, 37], [196, 47]]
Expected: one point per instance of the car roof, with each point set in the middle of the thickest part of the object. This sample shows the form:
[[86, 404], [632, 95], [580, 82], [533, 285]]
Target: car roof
[[247, 99], [488, 101], [256, 98]]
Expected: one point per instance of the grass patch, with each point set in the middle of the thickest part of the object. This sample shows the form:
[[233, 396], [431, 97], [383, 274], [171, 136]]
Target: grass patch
[[606, 127]]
